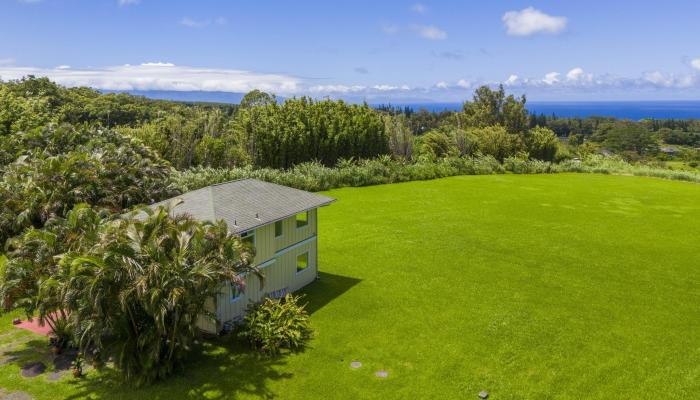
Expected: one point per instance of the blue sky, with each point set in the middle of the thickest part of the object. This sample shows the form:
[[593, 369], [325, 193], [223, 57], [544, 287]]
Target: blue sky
[[374, 50]]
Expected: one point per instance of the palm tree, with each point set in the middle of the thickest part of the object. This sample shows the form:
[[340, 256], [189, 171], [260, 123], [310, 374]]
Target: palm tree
[[30, 278], [146, 283]]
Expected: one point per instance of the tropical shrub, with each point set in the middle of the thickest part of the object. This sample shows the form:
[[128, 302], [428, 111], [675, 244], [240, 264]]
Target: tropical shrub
[[136, 295], [277, 324]]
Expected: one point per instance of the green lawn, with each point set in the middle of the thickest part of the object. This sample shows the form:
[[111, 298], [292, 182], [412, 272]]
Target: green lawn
[[529, 287]]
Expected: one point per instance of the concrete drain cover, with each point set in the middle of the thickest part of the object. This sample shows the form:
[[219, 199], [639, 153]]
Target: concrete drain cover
[[381, 374], [355, 364]]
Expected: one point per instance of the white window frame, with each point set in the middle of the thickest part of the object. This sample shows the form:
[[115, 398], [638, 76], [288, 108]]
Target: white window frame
[[308, 262]]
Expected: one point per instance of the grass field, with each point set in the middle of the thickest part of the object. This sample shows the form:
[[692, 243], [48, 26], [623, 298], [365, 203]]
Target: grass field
[[529, 287]]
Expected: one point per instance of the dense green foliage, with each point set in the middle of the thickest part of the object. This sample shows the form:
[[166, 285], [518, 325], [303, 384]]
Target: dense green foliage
[[146, 282], [277, 324], [59, 167], [299, 130]]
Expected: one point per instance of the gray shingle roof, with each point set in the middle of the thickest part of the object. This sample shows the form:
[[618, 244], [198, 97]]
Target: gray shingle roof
[[246, 203]]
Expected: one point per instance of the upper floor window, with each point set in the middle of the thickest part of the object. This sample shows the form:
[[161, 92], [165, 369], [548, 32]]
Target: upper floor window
[[279, 226], [302, 219]]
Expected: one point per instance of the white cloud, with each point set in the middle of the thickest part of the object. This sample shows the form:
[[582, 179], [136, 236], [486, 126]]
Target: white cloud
[[128, 2], [343, 89], [7, 61], [201, 23], [551, 78], [530, 21], [578, 75], [430, 32], [464, 84], [390, 29], [29, 1], [419, 8], [695, 63], [512, 80], [162, 76]]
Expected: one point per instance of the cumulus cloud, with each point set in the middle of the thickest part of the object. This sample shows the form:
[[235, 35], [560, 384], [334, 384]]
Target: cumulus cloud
[[531, 21], [578, 75], [512, 80], [430, 32], [695, 63], [161, 76], [551, 78], [442, 85], [464, 84], [419, 8], [201, 23]]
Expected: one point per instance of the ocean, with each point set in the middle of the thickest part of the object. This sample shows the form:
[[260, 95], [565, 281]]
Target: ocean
[[634, 110]]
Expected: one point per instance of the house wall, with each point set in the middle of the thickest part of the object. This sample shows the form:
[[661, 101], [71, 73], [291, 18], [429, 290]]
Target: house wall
[[277, 259]]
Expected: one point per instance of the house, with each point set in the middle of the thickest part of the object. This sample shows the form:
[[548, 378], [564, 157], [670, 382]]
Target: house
[[281, 224]]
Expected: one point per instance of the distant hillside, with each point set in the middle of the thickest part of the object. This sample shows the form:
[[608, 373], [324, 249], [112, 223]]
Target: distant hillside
[[187, 96]]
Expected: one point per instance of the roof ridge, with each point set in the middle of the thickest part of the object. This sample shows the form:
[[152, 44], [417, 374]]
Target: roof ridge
[[231, 181]]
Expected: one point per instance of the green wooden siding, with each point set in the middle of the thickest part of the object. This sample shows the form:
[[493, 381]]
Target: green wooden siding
[[277, 257]]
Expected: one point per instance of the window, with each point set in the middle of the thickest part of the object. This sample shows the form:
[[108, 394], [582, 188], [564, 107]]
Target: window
[[278, 228], [302, 219], [235, 292], [302, 261], [248, 238]]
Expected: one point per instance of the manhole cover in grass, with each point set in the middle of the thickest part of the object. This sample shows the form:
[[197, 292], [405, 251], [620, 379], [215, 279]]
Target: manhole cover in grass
[[33, 369], [381, 374], [355, 364]]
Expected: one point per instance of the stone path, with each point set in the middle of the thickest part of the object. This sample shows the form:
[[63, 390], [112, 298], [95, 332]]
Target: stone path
[[16, 395]]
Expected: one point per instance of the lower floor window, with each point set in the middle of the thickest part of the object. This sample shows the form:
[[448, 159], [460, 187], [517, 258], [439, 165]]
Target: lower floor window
[[302, 261], [235, 292]]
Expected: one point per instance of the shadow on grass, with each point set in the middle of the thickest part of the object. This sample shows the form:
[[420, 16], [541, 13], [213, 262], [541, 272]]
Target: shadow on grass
[[223, 368], [24, 351], [326, 289]]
